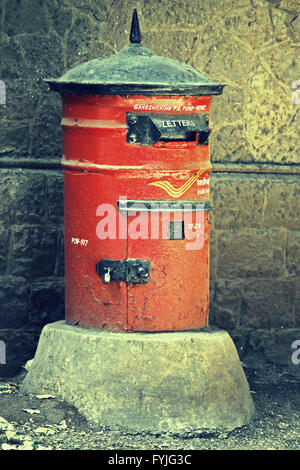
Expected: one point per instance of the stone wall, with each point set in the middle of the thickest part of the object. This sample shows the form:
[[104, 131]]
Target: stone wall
[[253, 46], [31, 259]]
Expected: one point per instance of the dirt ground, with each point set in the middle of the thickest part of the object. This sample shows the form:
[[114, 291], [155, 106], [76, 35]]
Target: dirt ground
[[42, 422]]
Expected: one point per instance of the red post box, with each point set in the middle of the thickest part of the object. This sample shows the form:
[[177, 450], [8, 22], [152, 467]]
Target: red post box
[[136, 187]]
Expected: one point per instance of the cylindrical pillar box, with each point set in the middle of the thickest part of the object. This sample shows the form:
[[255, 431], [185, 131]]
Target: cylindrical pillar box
[[136, 171]]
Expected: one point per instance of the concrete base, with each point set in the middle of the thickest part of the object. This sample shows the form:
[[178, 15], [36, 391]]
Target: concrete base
[[185, 383]]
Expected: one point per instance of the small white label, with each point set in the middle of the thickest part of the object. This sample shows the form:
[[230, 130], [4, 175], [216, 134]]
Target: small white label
[[79, 241], [203, 182], [202, 191], [178, 123]]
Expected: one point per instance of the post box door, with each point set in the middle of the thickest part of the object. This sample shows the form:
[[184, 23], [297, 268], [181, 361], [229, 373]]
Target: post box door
[[89, 301], [176, 296]]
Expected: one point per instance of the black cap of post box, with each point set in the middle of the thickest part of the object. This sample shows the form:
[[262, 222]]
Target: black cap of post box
[[135, 70]]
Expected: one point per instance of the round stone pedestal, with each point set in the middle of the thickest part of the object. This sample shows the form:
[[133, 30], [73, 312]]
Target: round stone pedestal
[[176, 382]]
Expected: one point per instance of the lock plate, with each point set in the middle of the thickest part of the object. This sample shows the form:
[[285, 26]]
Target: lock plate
[[136, 271]]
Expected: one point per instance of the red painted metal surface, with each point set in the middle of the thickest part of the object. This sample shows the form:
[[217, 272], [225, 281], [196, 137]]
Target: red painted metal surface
[[100, 167]]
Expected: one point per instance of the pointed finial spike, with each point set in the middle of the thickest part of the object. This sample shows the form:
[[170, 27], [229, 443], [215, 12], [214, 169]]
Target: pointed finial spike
[[135, 32]]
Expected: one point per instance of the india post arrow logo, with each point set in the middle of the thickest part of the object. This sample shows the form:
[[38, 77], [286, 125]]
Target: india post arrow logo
[[177, 192]]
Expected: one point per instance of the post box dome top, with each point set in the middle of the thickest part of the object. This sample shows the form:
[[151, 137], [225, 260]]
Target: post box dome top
[[135, 70]]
